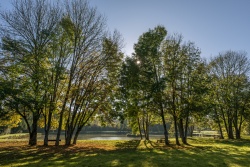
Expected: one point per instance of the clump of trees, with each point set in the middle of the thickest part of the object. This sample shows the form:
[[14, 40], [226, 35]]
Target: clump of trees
[[60, 68], [56, 64]]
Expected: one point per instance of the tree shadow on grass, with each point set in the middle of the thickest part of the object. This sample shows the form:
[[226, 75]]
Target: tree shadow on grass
[[125, 153], [39, 155], [234, 142], [128, 145]]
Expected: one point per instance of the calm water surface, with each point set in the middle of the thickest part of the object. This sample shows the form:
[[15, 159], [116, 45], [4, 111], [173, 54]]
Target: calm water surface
[[103, 137]]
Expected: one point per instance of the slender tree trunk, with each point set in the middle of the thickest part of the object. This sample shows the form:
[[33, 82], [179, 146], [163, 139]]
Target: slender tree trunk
[[186, 129], [68, 137], [238, 128], [176, 130], [230, 129], [237, 133], [47, 129], [181, 130], [61, 115], [77, 134], [139, 127], [225, 122], [218, 120], [164, 126], [147, 128], [143, 126], [191, 130]]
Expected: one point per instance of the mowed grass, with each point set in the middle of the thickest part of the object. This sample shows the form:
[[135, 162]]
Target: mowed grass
[[134, 153]]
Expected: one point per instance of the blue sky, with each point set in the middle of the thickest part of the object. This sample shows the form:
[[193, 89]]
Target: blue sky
[[214, 25]]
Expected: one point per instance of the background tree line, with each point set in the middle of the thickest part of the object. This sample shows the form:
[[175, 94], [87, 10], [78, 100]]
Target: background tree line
[[60, 67]]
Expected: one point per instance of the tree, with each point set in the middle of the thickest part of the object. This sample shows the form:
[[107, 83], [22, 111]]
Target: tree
[[147, 52], [130, 87], [27, 32], [230, 71], [58, 57], [85, 89], [182, 70]]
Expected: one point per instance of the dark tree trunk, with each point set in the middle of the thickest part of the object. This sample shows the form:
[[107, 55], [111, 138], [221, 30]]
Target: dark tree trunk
[[218, 120], [239, 129], [60, 126], [139, 127], [164, 127], [186, 130], [47, 129], [176, 130], [220, 129], [145, 129], [180, 126], [33, 133], [230, 129], [62, 112], [191, 130], [237, 133], [77, 134], [68, 135], [181, 131]]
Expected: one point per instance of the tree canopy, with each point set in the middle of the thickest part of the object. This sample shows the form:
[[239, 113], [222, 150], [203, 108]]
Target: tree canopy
[[61, 68]]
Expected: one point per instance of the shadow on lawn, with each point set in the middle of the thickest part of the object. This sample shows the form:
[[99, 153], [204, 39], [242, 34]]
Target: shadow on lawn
[[128, 145], [239, 143], [126, 153]]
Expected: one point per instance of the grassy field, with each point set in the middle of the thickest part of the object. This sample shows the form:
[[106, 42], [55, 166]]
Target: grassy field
[[134, 153]]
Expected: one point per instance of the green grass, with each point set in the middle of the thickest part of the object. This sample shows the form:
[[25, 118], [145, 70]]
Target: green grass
[[14, 136], [200, 152]]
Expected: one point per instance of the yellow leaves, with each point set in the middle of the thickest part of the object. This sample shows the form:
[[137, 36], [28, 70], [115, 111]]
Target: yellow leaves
[[12, 121]]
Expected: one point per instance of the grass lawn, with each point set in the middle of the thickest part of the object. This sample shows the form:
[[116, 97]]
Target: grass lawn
[[134, 153]]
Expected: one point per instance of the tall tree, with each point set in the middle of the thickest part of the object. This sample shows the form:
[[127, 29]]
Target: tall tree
[[182, 72], [147, 52], [28, 28], [58, 54], [230, 71]]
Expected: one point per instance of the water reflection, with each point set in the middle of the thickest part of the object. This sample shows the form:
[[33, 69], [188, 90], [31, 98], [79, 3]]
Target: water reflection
[[104, 137]]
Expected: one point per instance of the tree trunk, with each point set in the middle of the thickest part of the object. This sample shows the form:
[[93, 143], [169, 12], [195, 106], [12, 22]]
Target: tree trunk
[[62, 112], [230, 129], [59, 128], [77, 134], [164, 127], [237, 133], [68, 135], [181, 131], [139, 127], [239, 129], [186, 130], [191, 130], [218, 120], [176, 130], [47, 129], [33, 133], [147, 129], [180, 127], [237, 126]]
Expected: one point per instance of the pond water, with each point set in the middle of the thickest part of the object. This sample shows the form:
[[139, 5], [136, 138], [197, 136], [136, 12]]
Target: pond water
[[102, 137]]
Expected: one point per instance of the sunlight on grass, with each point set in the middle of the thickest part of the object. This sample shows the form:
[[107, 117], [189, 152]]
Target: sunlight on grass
[[200, 152], [115, 162]]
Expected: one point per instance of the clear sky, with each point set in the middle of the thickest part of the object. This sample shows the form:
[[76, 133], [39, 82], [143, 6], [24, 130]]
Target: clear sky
[[214, 25]]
